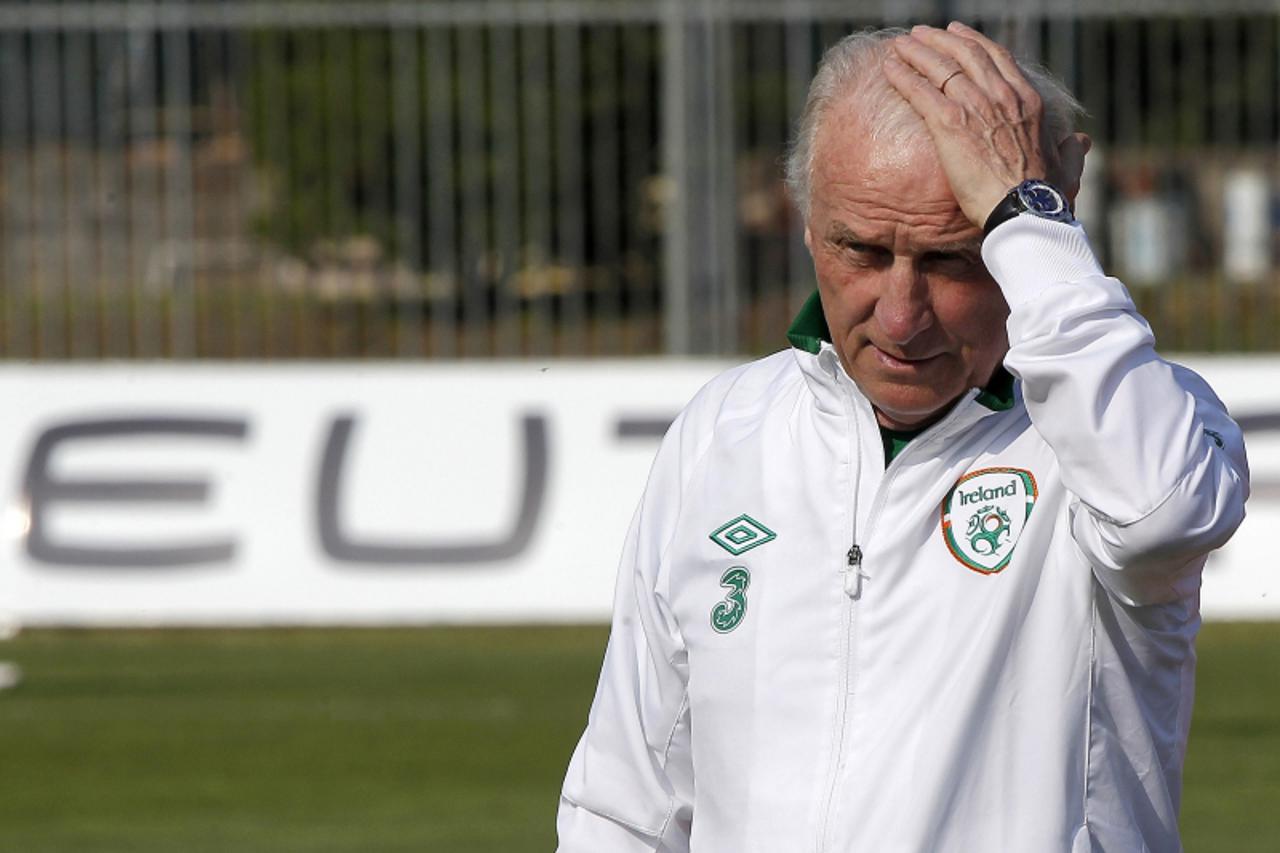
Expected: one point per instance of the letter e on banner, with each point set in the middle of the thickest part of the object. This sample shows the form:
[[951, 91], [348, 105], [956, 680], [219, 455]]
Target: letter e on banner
[[44, 491]]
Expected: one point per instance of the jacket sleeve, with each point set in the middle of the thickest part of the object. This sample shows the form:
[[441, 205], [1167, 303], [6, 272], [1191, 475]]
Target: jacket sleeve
[[1156, 467], [629, 785]]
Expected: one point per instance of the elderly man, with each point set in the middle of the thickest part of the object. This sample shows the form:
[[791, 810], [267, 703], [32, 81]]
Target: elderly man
[[928, 581]]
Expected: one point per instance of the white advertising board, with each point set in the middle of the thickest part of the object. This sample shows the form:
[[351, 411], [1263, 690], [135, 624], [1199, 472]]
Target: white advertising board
[[195, 494], [390, 493], [1242, 580]]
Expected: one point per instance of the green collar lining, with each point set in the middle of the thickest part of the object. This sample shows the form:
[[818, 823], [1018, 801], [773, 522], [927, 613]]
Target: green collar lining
[[998, 395], [809, 329], [896, 440]]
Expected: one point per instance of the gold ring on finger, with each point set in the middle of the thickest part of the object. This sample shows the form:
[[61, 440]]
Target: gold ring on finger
[[942, 87]]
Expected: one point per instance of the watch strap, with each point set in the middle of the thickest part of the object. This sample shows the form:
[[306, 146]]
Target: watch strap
[[1009, 207]]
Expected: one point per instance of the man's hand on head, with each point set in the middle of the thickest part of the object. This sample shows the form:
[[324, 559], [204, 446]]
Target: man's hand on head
[[986, 120]]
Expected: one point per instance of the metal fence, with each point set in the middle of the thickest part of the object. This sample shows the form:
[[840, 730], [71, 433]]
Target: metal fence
[[446, 179]]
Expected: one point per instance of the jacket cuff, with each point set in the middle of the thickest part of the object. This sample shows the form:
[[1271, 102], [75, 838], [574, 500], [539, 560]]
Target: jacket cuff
[[1027, 254]]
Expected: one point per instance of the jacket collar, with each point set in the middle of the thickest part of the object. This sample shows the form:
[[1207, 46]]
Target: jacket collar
[[810, 338], [809, 329]]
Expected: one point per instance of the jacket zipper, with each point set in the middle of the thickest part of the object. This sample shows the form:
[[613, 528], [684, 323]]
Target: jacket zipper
[[852, 584], [854, 577]]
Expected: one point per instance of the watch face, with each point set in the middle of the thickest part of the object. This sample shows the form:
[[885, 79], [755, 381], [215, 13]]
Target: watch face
[[1042, 199]]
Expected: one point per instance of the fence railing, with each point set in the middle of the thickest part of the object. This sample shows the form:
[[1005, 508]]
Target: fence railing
[[454, 179]]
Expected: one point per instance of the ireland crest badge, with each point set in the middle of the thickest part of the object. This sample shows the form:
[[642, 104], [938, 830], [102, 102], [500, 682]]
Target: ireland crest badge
[[983, 516]]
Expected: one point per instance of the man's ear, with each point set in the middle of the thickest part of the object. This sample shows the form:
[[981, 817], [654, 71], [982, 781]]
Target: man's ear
[[1071, 154], [808, 239]]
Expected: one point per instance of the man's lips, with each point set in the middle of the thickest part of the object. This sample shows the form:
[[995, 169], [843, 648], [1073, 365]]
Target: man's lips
[[902, 362]]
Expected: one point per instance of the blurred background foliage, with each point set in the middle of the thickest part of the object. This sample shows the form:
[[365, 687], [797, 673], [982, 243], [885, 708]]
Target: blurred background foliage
[[325, 179]]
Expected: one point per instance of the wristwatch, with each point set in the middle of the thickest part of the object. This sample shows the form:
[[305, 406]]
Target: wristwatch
[[1034, 197]]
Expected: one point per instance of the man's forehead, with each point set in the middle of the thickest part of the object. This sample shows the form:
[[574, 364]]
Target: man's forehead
[[884, 188], [863, 126], [841, 231], [899, 204], [847, 151]]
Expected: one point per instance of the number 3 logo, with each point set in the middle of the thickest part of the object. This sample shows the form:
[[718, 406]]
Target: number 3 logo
[[728, 614]]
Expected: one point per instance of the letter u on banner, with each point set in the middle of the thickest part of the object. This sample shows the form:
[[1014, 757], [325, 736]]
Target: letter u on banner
[[341, 546]]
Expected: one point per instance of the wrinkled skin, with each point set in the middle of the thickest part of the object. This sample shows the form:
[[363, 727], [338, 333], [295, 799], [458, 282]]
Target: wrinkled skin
[[986, 120]]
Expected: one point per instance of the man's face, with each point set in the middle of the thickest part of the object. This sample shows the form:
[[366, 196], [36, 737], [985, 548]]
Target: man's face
[[914, 315]]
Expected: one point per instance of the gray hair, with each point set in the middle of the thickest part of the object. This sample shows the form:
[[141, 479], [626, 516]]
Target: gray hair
[[852, 67]]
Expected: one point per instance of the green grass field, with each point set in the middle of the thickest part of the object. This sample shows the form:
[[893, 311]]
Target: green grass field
[[450, 740]]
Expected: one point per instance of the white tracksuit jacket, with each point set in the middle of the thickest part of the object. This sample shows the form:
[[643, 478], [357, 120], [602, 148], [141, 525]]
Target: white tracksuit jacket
[[1009, 668]]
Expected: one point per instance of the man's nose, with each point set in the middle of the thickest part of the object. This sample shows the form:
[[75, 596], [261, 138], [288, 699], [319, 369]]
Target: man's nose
[[903, 308]]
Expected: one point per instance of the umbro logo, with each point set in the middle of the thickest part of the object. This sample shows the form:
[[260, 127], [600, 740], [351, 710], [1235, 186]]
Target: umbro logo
[[741, 534]]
